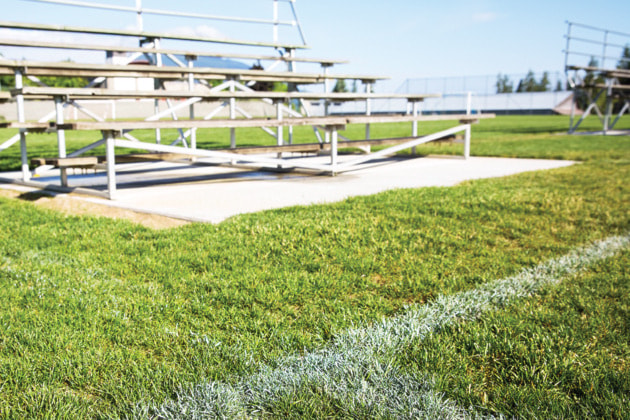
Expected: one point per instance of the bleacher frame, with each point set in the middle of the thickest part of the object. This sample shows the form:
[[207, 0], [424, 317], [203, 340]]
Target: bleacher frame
[[233, 85], [600, 84]]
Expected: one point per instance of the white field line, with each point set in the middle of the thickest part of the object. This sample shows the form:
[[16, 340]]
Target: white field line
[[354, 370]]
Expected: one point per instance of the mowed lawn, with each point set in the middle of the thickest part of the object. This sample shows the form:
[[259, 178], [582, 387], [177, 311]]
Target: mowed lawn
[[103, 318]]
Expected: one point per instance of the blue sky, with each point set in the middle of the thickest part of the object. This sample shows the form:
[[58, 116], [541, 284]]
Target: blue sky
[[396, 38]]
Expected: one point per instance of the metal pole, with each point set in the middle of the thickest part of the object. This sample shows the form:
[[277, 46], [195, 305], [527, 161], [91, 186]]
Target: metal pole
[[333, 150], [604, 49], [158, 62], [146, 11], [191, 87], [297, 22], [275, 21], [280, 135], [368, 108], [139, 15], [110, 157], [467, 141], [232, 116], [414, 125], [291, 68], [608, 111], [566, 52], [326, 104], [26, 173], [61, 141]]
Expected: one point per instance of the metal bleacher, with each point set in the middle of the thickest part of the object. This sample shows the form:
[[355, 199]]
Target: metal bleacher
[[196, 84]]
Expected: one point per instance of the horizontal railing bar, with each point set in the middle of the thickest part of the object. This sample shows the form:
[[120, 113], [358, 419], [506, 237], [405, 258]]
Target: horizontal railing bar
[[164, 12], [597, 29]]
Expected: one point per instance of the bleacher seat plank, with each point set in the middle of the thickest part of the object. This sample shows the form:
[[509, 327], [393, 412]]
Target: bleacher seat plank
[[146, 50], [87, 93], [260, 122], [143, 34], [71, 69]]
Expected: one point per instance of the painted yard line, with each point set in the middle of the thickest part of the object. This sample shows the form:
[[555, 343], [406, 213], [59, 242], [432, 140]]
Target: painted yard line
[[354, 370]]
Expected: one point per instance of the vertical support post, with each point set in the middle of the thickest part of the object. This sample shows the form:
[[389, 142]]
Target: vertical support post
[[467, 141], [333, 148], [567, 51], [603, 62], [139, 15], [573, 107], [61, 141], [608, 110], [110, 157], [275, 21], [325, 66], [158, 133], [232, 116], [280, 131], [26, 173], [414, 125], [158, 62], [191, 87], [291, 88], [280, 135], [368, 108]]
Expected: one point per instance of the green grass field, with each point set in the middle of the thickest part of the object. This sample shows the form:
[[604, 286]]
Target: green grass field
[[103, 318]]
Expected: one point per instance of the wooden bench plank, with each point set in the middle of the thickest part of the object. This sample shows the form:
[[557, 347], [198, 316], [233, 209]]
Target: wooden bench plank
[[258, 122], [614, 87], [83, 161], [88, 93], [145, 50], [71, 69], [606, 72], [94, 161], [33, 127]]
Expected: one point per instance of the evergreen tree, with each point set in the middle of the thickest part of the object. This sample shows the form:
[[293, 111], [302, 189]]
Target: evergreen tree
[[340, 86], [543, 85], [624, 64], [528, 84], [504, 85]]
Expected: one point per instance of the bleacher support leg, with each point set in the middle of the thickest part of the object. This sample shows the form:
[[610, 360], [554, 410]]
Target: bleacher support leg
[[191, 87], [333, 149], [368, 111], [26, 173], [110, 157], [414, 125], [467, 141], [280, 134], [61, 141]]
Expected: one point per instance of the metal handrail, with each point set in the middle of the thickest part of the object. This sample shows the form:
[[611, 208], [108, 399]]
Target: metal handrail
[[139, 10]]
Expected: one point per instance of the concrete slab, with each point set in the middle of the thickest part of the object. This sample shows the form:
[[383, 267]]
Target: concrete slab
[[212, 194]]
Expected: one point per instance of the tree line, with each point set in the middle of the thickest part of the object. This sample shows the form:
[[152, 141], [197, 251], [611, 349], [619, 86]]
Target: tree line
[[530, 84], [526, 84]]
